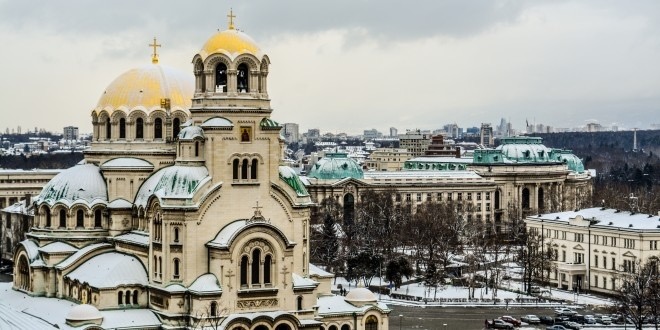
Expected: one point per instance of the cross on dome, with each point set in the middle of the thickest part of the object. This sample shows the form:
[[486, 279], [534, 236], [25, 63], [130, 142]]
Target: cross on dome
[[231, 17], [154, 57]]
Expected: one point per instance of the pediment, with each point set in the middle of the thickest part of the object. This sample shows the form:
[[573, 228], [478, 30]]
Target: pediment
[[578, 247], [628, 254]]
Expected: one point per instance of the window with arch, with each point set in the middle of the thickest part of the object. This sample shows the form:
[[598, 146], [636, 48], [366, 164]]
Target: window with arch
[[300, 302], [371, 323], [176, 127], [23, 273], [540, 199], [48, 218], [176, 234], [80, 219], [155, 266], [257, 264], [127, 297], [108, 129], [333, 327], [221, 78], [158, 227], [345, 327], [158, 128], [268, 262], [120, 298], [283, 327], [253, 169], [122, 128], [235, 169], [214, 309], [244, 270], [525, 198], [243, 78], [256, 269], [135, 297], [62, 218], [160, 267], [139, 128], [244, 169], [176, 272], [98, 218]]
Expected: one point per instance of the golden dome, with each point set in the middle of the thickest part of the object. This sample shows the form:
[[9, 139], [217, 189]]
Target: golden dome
[[232, 42], [143, 88]]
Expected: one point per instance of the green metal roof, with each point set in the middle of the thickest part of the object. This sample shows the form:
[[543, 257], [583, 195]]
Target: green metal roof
[[336, 166], [267, 123], [288, 175]]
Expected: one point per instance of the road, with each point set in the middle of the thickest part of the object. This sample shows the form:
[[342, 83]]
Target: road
[[458, 318]]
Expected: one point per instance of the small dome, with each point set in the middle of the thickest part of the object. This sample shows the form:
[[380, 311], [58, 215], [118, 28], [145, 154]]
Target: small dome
[[231, 42], [81, 182], [361, 296], [573, 162], [191, 132], [336, 166], [525, 150], [143, 88], [84, 314]]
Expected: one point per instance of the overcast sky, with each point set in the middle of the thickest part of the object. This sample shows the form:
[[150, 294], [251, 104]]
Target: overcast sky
[[349, 65]]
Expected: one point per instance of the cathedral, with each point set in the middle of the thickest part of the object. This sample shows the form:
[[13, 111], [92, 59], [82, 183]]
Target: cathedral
[[181, 215]]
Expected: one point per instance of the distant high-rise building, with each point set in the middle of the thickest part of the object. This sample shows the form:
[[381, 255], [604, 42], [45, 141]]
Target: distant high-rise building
[[70, 133], [291, 132], [370, 134], [394, 132], [18, 130], [415, 141], [486, 134], [313, 134]]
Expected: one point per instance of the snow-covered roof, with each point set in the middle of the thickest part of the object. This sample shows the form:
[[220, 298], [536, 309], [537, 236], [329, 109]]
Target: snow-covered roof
[[174, 288], [120, 203], [138, 238], [315, 270], [300, 282], [606, 218], [11, 318], [442, 159], [226, 235], [81, 183], [330, 305], [58, 247], [127, 163], [109, 270], [206, 284], [81, 253], [177, 181], [379, 175], [18, 208], [31, 248], [217, 122], [190, 133]]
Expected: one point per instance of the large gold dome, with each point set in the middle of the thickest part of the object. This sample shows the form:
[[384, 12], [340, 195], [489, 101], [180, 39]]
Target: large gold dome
[[143, 88], [232, 42]]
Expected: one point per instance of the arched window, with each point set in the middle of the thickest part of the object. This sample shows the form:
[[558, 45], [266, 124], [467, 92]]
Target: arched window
[[120, 297], [256, 260], [268, 261], [221, 78], [160, 266], [253, 169], [135, 297], [139, 128], [333, 327], [127, 297], [261, 327], [300, 303], [158, 128], [349, 208], [155, 266], [214, 309], [48, 219], [283, 327], [235, 169], [80, 219], [371, 323], [176, 234], [196, 148], [176, 268], [108, 129], [98, 217], [244, 169], [244, 270], [122, 128], [176, 127], [540, 199], [345, 327], [62, 218], [525, 198], [23, 273], [243, 78]]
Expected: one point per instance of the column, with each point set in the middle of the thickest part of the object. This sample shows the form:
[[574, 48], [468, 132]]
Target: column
[[210, 83]]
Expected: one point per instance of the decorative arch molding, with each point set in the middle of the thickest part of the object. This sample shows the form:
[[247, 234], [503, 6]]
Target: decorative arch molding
[[157, 114], [239, 156], [198, 65], [118, 114], [277, 235], [249, 59], [207, 205], [278, 199], [216, 59], [265, 63]]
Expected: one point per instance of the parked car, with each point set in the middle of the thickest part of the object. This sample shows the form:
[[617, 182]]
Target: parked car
[[564, 312], [511, 319], [530, 319], [499, 324], [572, 325], [547, 320], [604, 319], [589, 319], [577, 318], [555, 327]]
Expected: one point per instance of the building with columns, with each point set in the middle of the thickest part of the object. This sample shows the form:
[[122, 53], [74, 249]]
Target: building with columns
[[595, 247], [15, 185], [182, 215]]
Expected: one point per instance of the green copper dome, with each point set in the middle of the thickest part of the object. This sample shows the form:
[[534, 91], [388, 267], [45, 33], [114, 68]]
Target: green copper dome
[[336, 166], [572, 161]]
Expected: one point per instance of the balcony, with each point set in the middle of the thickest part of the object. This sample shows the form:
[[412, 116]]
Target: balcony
[[572, 268]]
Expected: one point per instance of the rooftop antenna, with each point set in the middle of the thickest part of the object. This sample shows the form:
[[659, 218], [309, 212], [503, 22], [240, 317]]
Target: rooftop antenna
[[634, 140]]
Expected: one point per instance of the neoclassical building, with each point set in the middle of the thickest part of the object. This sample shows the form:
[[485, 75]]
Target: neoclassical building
[[181, 216], [518, 178]]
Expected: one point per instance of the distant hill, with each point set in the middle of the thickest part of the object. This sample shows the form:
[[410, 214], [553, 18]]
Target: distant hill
[[46, 161]]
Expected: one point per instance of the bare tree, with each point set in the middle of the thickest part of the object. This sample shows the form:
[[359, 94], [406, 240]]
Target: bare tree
[[635, 293]]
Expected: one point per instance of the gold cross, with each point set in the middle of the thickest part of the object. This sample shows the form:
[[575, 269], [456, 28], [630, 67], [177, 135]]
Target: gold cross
[[231, 17], [154, 57]]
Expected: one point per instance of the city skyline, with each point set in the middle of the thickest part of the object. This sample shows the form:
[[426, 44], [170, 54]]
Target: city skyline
[[380, 65]]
